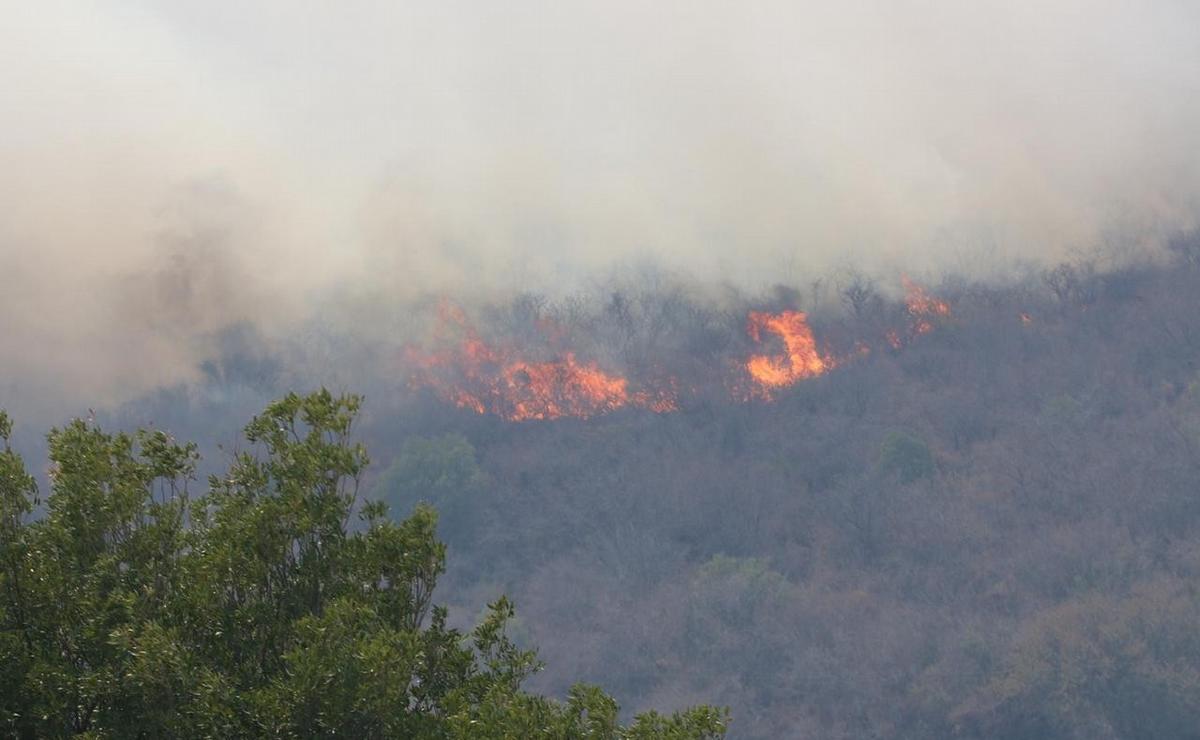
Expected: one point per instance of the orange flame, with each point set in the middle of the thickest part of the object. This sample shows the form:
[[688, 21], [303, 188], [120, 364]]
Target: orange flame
[[501, 380], [801, 358], [922, 307], [474, 375]]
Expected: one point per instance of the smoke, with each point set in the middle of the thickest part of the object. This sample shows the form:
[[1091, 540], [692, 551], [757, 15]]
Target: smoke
[[168, 169]]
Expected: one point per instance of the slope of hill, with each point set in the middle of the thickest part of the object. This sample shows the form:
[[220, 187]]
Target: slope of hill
[[976, 522], [991, 531]]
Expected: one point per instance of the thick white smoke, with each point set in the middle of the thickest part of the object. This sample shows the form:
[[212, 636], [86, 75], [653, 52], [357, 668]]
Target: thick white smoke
[[167, 168]]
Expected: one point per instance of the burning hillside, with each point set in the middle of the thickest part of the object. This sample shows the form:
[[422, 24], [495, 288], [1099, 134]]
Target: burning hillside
[[504, 381], [800, 359], [522, 383], [923, 308]]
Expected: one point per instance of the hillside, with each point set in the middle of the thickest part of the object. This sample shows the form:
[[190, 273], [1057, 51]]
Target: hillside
[[976, 522], [990, 531]]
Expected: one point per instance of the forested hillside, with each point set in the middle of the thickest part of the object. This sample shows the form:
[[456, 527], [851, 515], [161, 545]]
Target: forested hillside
[[760, 370], [951, 508], [990, 530]]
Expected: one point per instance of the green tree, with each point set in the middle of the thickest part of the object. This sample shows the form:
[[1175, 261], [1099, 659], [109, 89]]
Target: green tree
[[729, 597], [132, 609], [18, 493], [440, 471], [906, 456]]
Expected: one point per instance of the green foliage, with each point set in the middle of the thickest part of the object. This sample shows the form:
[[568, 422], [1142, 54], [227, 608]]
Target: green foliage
[[748, 581], [1063, 409], [729, 596], [906, 456], [133, 610], [441, 471]]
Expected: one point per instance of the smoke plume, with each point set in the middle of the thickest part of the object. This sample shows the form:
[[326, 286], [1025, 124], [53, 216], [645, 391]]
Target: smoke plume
[[168, 169]]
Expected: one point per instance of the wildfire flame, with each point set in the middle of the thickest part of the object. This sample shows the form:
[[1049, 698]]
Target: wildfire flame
[[485, 379], [507, 382], [801, 358], [923, 308]]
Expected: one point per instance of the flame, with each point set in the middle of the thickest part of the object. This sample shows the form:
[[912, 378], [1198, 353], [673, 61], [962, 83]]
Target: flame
[[485, 379], [922, 307], [801, 358], [502, 380]]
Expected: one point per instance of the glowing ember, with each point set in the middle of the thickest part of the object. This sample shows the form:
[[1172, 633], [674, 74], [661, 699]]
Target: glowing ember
[[800, 359], [474, 375]]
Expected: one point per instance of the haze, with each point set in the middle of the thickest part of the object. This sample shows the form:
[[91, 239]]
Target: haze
[[168, 169]]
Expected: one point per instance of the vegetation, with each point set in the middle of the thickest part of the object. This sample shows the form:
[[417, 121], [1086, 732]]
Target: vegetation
[[989, 529], [131, 608], [992, 531]]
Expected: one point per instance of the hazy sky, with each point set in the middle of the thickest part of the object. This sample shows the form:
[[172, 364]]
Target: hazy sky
[[168, 167]]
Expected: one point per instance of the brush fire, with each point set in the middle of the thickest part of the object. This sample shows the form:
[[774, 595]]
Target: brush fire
[[799, 360], [475, 375], [519, 384]]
